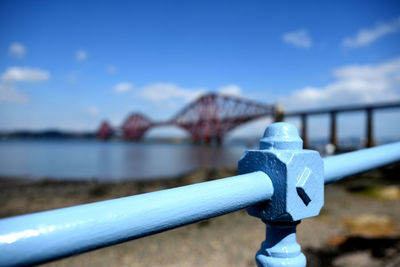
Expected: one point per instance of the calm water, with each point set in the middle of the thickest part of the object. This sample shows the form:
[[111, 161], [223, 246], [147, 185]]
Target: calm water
[[61, 159]]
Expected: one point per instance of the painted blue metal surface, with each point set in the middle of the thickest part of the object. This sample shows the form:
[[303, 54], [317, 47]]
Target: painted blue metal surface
[[298, 179], [280, 247], [343, 165], [45, 236], [297, 175]]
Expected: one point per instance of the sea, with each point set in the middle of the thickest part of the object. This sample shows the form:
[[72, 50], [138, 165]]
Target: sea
[[112, 160], [117, 160]]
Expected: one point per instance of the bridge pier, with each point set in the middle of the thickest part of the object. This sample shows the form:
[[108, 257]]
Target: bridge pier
[[369, 128], [105, 131], [304, 130], [333, 137], [209, 140]]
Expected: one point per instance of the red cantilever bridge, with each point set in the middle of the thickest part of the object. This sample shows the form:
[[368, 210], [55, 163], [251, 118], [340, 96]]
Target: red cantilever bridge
[[211, 116], [207, 119]]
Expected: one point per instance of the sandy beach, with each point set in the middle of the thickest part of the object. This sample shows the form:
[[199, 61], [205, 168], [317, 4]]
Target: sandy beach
[[359, 224]]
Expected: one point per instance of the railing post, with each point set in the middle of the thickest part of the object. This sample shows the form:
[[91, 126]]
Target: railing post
[[298, 179], [369, 128]]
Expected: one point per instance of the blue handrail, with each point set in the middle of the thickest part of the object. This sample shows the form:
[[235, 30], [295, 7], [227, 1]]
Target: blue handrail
[[281, 184], [343, 165], [45, 236]]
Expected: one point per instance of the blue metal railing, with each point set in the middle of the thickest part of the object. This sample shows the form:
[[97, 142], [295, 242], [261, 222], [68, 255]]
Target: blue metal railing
[[343, 165], [44, 236], [280, 183]]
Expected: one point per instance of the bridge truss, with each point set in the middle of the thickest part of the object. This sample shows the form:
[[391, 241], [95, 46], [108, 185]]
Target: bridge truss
[[207, 119]]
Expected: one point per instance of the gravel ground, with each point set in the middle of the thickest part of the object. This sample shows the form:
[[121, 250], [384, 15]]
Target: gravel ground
[[358, 226]]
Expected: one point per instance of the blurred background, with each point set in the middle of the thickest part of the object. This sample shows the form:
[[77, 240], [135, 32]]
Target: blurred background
[[102, 99]]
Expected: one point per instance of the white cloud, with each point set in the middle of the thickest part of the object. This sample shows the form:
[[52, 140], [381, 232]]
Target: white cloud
[[367, 36], [17, 50], [353, 84], [298, 38], [168, 92], [232, 89], [92, 111], [18, 74], [111, 69], [73, 78], [10, 93], [81, 55], [122, 87]]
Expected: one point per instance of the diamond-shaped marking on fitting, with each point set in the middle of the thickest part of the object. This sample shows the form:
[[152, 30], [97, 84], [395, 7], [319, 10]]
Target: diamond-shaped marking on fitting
[[305, 186]]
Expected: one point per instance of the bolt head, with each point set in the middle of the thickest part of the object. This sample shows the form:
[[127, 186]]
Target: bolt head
[[305, 186]]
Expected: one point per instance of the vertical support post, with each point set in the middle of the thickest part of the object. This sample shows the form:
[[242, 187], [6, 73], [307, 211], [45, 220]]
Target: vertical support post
[[279, 113], [304, 130], [280, 247], [297, 176], [370, 128], [333, 139]]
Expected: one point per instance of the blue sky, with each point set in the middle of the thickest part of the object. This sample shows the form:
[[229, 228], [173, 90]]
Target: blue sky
[[71, 64]]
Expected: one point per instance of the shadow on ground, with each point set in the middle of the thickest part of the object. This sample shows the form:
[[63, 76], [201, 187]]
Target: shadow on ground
[[374, 251]]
